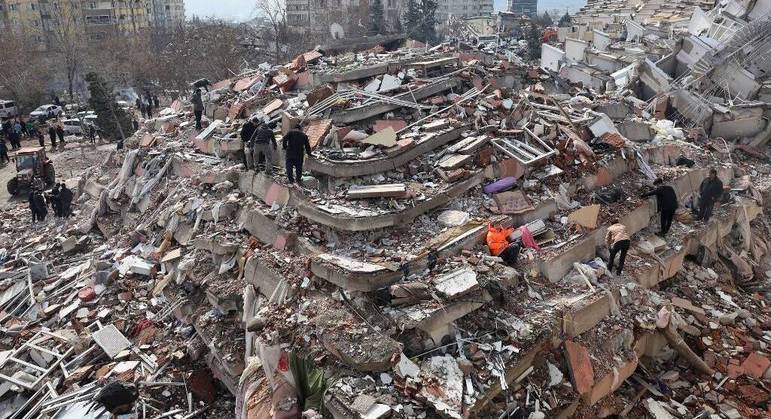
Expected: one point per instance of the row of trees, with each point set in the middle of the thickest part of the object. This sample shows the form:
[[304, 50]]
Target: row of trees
[[153, 60]]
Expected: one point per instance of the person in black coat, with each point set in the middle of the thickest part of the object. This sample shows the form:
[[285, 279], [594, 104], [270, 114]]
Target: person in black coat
[[247, 137], [52, 135], [65, 201], [710, 191], [54, 199], [295, 142], [666, 201]]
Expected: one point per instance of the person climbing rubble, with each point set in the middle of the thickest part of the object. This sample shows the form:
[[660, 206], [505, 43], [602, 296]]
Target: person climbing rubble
[[617, 239], [498, 241], [710, 191], [247, 136], [263, 146], [294, 143], [197, 102], [666, 201]]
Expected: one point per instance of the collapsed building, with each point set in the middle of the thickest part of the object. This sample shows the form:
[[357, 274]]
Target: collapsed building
[[369, 292]]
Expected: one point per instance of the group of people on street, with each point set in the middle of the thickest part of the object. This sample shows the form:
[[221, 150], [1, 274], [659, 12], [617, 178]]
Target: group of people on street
[[259, 144], [60, 199], [14, 130], [147, 104]]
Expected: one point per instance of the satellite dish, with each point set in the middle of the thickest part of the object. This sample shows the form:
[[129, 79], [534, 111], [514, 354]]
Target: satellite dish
[[337, 31]]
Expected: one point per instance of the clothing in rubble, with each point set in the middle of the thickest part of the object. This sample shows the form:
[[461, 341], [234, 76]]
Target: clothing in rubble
[[294, 143]]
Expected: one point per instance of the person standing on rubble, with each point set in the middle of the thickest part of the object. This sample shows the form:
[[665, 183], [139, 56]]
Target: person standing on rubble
[[60, 134], [54, 199], [617, 239], [247, 137], [65, 201], [4, 159], [197, 107], [37, 205], [294, 143], [710, 191], [666, 201], [52, 135], [263, 146]]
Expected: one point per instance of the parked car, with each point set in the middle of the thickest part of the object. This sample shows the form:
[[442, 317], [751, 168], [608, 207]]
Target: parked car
[[8, 109], [73, 126], [46, 112]]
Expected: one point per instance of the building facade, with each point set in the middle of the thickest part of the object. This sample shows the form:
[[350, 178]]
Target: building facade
[[462, 9], [524, 7], [46, 21], [340, 18]]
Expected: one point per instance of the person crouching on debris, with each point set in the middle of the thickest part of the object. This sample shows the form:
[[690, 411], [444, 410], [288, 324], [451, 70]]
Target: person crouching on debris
[[197, 107], [263, 146], [499, 244], [247, 137], [294, 143], [666, 201], [709, 192], [617, 239]]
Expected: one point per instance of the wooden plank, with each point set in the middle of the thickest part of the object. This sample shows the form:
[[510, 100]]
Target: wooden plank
[[454, 161]]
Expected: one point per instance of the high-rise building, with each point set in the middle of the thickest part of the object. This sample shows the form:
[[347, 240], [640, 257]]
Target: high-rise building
[[462, 9], [524, 7]]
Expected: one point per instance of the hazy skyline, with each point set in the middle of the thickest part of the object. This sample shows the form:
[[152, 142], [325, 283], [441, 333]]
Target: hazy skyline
[[235, 10]]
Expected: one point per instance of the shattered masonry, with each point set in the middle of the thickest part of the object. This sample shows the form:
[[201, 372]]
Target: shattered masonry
[[369, 292]]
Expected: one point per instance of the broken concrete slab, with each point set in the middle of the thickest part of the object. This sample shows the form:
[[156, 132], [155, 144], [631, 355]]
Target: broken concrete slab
[[394, 190]]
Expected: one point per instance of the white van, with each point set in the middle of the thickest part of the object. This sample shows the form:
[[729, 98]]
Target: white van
[[8, 109]]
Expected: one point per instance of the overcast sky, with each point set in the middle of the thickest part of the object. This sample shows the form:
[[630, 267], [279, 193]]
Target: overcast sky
[[236, 10]]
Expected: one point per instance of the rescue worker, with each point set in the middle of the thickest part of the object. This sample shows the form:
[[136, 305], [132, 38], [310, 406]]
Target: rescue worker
[[197, 108], [617, 239], [498, 241], [247, 136], [710, 191], [65, 201], [666, 202], [263, 146], [294, 143], [37, 206]]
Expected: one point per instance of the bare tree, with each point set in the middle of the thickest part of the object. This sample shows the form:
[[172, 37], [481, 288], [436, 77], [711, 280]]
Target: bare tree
[[68, 39], [22, 70], [275, 12]]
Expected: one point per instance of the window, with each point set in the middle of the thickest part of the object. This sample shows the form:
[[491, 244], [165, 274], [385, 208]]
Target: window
[[98, 20]]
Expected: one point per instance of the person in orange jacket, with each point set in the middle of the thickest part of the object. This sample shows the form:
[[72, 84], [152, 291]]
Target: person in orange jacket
[[499, 244]]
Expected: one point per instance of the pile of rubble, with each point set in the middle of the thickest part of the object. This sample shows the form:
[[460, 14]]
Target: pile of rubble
[[368, 291]]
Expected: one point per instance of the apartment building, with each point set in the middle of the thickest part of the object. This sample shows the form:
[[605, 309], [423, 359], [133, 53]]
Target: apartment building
[[339, 18], [41, 21], [524, 7], [462, 9], [167, 14]]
